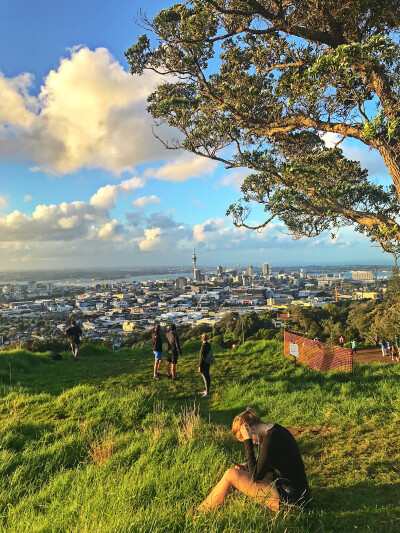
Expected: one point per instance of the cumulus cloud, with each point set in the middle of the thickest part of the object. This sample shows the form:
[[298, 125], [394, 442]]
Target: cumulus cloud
[[89, 113], [17, 108], [106, 196], [187, 166], [144, 200], [69, 221], [152, 239], [111, 231]]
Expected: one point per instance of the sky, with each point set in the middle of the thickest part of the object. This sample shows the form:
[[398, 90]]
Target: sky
[[83, 180]]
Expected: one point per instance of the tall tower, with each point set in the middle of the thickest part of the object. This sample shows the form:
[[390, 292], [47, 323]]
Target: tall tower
[[194, 263]]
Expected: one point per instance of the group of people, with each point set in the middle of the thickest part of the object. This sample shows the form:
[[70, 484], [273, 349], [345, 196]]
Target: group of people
[[276, 477], [174, 350], [391, 349], [353, 344]]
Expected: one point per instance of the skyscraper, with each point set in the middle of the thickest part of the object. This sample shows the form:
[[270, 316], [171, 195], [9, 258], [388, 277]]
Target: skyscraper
[[265, 269], [250, 271], [194, 263]]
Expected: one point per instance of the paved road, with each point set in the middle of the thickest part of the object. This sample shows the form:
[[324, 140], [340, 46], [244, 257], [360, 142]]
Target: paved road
[[367, 355]]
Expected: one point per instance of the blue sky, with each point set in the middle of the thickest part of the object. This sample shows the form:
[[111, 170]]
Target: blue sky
[[84, 183]]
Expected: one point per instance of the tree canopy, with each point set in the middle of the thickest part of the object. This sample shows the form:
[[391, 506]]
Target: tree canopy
[[257, 84]]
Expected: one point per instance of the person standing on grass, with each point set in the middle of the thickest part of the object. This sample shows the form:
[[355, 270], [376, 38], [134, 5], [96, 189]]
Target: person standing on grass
[[204, 366], [74, 333], [395, 352], [157, 350], [354, 347], [397, 342], [383, 348], [276, 477], [174, 349], [388, 351]]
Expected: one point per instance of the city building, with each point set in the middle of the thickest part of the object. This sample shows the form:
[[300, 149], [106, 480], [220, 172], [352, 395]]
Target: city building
[[194, 262], [266, 270], [362, 275]]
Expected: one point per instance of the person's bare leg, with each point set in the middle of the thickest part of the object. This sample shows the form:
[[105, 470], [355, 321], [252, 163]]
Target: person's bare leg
[[168, 368], [159, 364], [173, 370], [262, 491], [155, 368]]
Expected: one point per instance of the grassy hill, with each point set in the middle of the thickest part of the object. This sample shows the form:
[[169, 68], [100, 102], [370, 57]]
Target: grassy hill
[[98, 446]]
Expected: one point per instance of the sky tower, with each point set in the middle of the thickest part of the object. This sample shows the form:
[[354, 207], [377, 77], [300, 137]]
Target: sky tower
[[194, 263]]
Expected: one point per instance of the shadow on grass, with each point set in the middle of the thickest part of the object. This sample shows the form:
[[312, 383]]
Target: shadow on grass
[[351, 510]]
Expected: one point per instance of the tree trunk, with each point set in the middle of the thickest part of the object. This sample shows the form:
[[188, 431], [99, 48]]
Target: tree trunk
[[391, 157]]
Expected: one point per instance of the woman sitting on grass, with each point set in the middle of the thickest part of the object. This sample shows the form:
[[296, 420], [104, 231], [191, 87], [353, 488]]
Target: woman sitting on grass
[[277, 476]]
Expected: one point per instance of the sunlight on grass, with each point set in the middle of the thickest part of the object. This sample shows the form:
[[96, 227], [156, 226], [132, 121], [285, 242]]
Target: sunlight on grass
[[99, 446]]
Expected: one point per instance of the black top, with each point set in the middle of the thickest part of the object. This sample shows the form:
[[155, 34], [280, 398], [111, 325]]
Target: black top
[[74, 332], [204, 350], [279, 454], [157, 341], [173, 343]]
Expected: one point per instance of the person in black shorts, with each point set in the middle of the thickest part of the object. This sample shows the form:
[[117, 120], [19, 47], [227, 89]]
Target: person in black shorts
[[276, 477], [174, 349], [74, 333]]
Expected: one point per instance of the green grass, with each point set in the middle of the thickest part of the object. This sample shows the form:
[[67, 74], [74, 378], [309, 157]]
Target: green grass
[[97, 446]]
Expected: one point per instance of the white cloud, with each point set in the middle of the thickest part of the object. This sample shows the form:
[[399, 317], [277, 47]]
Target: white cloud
[[3, 202], [110, 231], [187, 166], [27, 198], [106, 196], [16, 107], [69, 221], [152, 239], [144, 200], [330, 138], [89, 113], [234, 178]]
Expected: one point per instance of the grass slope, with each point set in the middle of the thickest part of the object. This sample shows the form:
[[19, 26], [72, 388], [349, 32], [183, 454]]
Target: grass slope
[[97, 446]]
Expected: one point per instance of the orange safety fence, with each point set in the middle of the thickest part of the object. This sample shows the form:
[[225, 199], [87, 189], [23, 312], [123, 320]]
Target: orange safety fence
[[317, 355]]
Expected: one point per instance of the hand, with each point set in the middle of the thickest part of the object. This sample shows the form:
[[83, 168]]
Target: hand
[[199, 369], [246, 432]]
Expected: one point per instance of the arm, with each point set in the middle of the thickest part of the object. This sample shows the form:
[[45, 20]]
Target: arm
[[259, 468], [178, 346]]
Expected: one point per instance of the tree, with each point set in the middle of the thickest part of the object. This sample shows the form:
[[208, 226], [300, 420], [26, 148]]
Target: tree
[[287, 72]]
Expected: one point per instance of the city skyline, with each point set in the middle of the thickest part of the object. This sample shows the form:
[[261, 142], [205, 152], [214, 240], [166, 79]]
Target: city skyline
[[83, 181]]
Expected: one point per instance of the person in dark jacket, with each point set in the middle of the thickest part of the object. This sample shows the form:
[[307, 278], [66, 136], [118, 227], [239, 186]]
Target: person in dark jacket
[[204, 367], [157, 350], [74, 333], [276, 477], [174, 349]]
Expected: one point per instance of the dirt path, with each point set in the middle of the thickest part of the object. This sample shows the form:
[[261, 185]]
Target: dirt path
[[368, 355]]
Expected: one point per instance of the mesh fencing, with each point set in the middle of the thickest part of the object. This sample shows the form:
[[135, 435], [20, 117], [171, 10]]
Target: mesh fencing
[[317, 355]]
